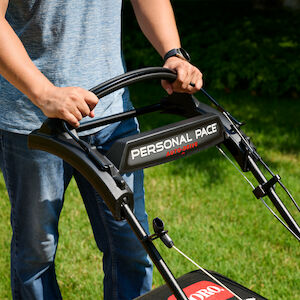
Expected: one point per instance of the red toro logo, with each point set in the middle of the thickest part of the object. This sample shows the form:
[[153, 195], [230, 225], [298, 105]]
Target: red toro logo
[[205, 290]]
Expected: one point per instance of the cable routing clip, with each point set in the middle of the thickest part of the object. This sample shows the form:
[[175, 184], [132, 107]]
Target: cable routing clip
[[263, 189]]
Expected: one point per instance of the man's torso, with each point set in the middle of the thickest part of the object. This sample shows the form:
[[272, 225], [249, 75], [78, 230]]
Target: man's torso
[[73, 43]]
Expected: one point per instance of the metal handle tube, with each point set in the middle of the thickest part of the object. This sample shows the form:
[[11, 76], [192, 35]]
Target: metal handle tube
[[153, 253], [119, 117], [274, 198]]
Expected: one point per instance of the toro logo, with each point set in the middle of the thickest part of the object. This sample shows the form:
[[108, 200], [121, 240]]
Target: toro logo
[[203, 290]]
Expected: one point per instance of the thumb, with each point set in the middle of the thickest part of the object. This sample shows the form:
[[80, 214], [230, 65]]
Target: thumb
[[167, 86]]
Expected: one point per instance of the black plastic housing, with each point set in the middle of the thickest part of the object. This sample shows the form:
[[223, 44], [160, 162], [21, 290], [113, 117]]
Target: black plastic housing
[[49, 138], [166, 143]]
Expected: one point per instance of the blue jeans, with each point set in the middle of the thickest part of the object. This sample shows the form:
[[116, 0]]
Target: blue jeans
[[36, 182]]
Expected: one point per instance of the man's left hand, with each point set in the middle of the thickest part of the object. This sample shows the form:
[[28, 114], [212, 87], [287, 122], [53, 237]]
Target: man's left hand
[[189, 78]]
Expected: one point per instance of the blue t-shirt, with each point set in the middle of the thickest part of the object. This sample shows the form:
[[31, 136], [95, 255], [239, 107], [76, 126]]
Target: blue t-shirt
[[73, 43]]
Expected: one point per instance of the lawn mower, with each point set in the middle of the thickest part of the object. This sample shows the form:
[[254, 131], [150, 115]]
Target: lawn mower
[[202, 127]]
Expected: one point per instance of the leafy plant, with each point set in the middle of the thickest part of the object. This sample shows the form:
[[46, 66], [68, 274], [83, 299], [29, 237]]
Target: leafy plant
[[236, 48]]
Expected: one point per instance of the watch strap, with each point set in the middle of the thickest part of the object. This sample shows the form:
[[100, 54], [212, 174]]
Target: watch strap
[[178, 52]]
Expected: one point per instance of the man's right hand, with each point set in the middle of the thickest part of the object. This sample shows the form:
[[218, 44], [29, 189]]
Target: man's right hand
[[68, 103]]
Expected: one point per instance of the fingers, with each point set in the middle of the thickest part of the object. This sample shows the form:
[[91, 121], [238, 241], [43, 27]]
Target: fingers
[[197, 79], [84, 103], [68, 103], [71, 119], [189, 78], [167, 86], [91, 100]]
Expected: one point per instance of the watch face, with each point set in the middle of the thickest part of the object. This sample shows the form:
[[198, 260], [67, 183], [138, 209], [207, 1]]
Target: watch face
[[184, 54]]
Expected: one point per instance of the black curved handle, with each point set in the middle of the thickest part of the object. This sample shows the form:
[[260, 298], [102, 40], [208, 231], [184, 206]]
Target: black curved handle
[[131, 77], [113, 85]]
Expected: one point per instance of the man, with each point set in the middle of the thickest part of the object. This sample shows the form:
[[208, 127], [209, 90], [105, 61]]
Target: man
[[47, 50]]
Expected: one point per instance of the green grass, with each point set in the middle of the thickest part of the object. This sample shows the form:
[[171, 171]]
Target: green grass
[[208, 208]]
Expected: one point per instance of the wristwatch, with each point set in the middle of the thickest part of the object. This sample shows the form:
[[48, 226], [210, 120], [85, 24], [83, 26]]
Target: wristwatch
[[178, 52]]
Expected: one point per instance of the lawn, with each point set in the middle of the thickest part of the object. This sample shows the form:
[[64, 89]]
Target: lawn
[[208, 208]]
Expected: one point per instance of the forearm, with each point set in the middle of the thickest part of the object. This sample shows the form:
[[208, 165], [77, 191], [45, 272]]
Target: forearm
[[156, 19], [17, 67], [68, 103]]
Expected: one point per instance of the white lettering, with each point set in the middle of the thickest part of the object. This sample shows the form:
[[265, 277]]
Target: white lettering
[[210, 129], [143, 151], [135, 153], [167, 144], [203, 131], [214, 128], [196, 297], [159, 147], [151, 149], [189, 139], [203, 294], [207, 293], [198, 133], [182, 140], [175, 141], [214, 289]]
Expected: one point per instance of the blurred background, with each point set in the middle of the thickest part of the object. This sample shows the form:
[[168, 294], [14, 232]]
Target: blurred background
[[248, 45]]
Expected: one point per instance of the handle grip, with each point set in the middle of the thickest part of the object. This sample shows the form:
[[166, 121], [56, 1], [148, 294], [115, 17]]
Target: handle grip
[[132, 77]]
